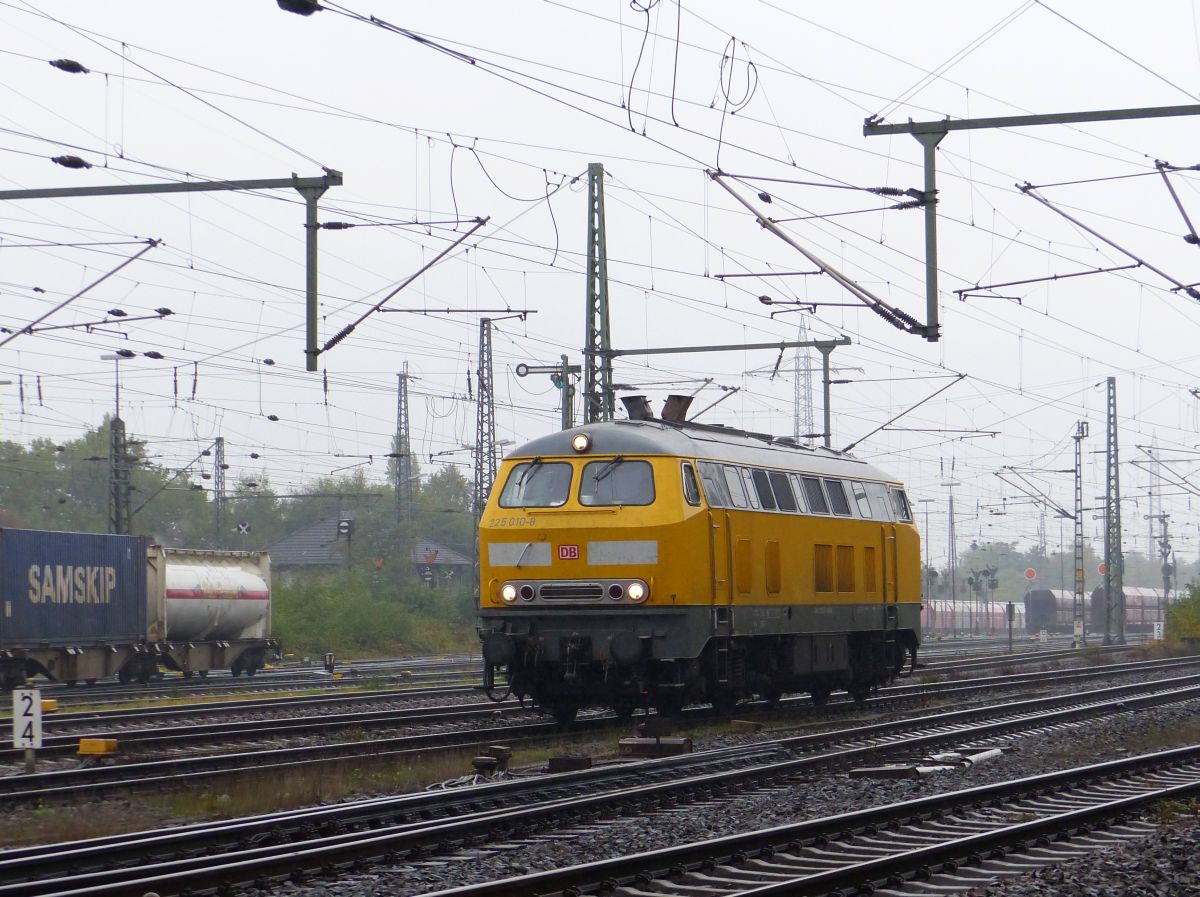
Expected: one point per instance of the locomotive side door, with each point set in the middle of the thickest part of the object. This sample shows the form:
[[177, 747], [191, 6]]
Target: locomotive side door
[[720, 540], [891, 574]]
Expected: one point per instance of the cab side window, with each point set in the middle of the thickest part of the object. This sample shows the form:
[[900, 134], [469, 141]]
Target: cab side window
[[751, 492], [881, 503], [737, 492], [691, 489], [860, 499], [715, 489], [900, 502]]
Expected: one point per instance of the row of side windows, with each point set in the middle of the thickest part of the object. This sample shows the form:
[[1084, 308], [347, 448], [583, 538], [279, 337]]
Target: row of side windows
[[752, 488]]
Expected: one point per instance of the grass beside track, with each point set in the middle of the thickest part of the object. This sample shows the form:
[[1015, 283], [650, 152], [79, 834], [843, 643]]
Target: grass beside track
[[246, 794]]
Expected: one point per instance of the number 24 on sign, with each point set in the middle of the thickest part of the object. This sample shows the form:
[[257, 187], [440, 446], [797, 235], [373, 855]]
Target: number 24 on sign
[[27, 718]]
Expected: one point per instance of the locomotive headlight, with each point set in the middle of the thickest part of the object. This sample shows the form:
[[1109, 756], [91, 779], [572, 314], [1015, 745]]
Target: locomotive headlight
[[581, 442], [636, 591], [508, 592]]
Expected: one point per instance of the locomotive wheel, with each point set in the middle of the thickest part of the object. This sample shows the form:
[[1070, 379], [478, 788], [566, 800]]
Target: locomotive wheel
[[187, 674], [564, 714], [124, 675], [820, 695], [860, 693]]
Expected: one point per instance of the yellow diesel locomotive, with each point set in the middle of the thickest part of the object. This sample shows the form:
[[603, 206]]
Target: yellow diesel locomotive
[[650, 562]]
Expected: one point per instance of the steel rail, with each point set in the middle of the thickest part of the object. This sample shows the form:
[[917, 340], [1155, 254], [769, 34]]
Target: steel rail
[[735, 850], [208, 731], [273, 728], [268, 861], [158, 773], [217, 708]]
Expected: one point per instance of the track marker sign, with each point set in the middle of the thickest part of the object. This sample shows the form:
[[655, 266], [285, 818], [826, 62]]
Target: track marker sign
[[27, 718]]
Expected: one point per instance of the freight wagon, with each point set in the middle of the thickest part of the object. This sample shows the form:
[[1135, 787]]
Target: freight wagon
[[1143, 608], [81, 607], [970, 616], [1054, 609], [1050, 609]]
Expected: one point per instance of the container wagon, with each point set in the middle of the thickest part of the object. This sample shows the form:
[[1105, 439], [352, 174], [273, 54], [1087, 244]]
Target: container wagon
[[82, 607]]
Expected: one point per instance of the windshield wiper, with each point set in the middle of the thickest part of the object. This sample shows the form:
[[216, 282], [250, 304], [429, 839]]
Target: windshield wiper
[[533, 465], [609, 468]]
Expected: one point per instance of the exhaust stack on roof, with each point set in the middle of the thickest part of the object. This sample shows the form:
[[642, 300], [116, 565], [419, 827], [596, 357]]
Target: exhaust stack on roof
[[675, 409], [637, 407]]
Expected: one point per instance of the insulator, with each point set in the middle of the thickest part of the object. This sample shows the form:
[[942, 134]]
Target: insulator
[[71, 162], [70, 66]]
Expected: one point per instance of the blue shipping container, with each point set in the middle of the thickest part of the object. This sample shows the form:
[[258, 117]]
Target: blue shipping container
[[71, 588]]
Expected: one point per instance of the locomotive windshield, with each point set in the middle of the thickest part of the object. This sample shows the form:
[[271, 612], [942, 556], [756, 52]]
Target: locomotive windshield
[[537, 484], [617, 482]]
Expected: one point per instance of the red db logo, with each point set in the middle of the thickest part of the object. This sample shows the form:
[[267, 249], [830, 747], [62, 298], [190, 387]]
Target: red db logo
[[568, 552]]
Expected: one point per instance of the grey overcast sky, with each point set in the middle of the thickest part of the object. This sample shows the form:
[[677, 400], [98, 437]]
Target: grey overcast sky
[[473, 109]]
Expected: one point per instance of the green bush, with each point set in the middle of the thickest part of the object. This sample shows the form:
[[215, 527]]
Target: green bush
[[1183, 616], [355, 614]]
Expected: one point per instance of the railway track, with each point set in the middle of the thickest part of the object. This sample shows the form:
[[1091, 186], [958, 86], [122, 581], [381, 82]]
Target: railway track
[[464, 669], [422, 672], [90, 722], [213, 857], [463, 673], [930, 846], [176, 771], [117, 723]]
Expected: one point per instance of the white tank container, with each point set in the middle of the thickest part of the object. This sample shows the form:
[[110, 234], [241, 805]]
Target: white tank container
[[209, 595]]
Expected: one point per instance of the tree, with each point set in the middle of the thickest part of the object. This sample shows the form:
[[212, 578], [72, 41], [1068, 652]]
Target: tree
[[1183, 616], [443, 511], [66, 487]]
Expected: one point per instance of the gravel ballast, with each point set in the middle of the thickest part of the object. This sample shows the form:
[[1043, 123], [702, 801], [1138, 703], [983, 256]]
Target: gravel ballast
[[1061, 748]]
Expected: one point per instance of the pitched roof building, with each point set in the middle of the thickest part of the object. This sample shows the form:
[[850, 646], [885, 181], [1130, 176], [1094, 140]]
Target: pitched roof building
[[317, 545]]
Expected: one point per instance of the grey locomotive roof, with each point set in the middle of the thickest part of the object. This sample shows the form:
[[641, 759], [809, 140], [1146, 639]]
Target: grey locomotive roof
[[656, 437]]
